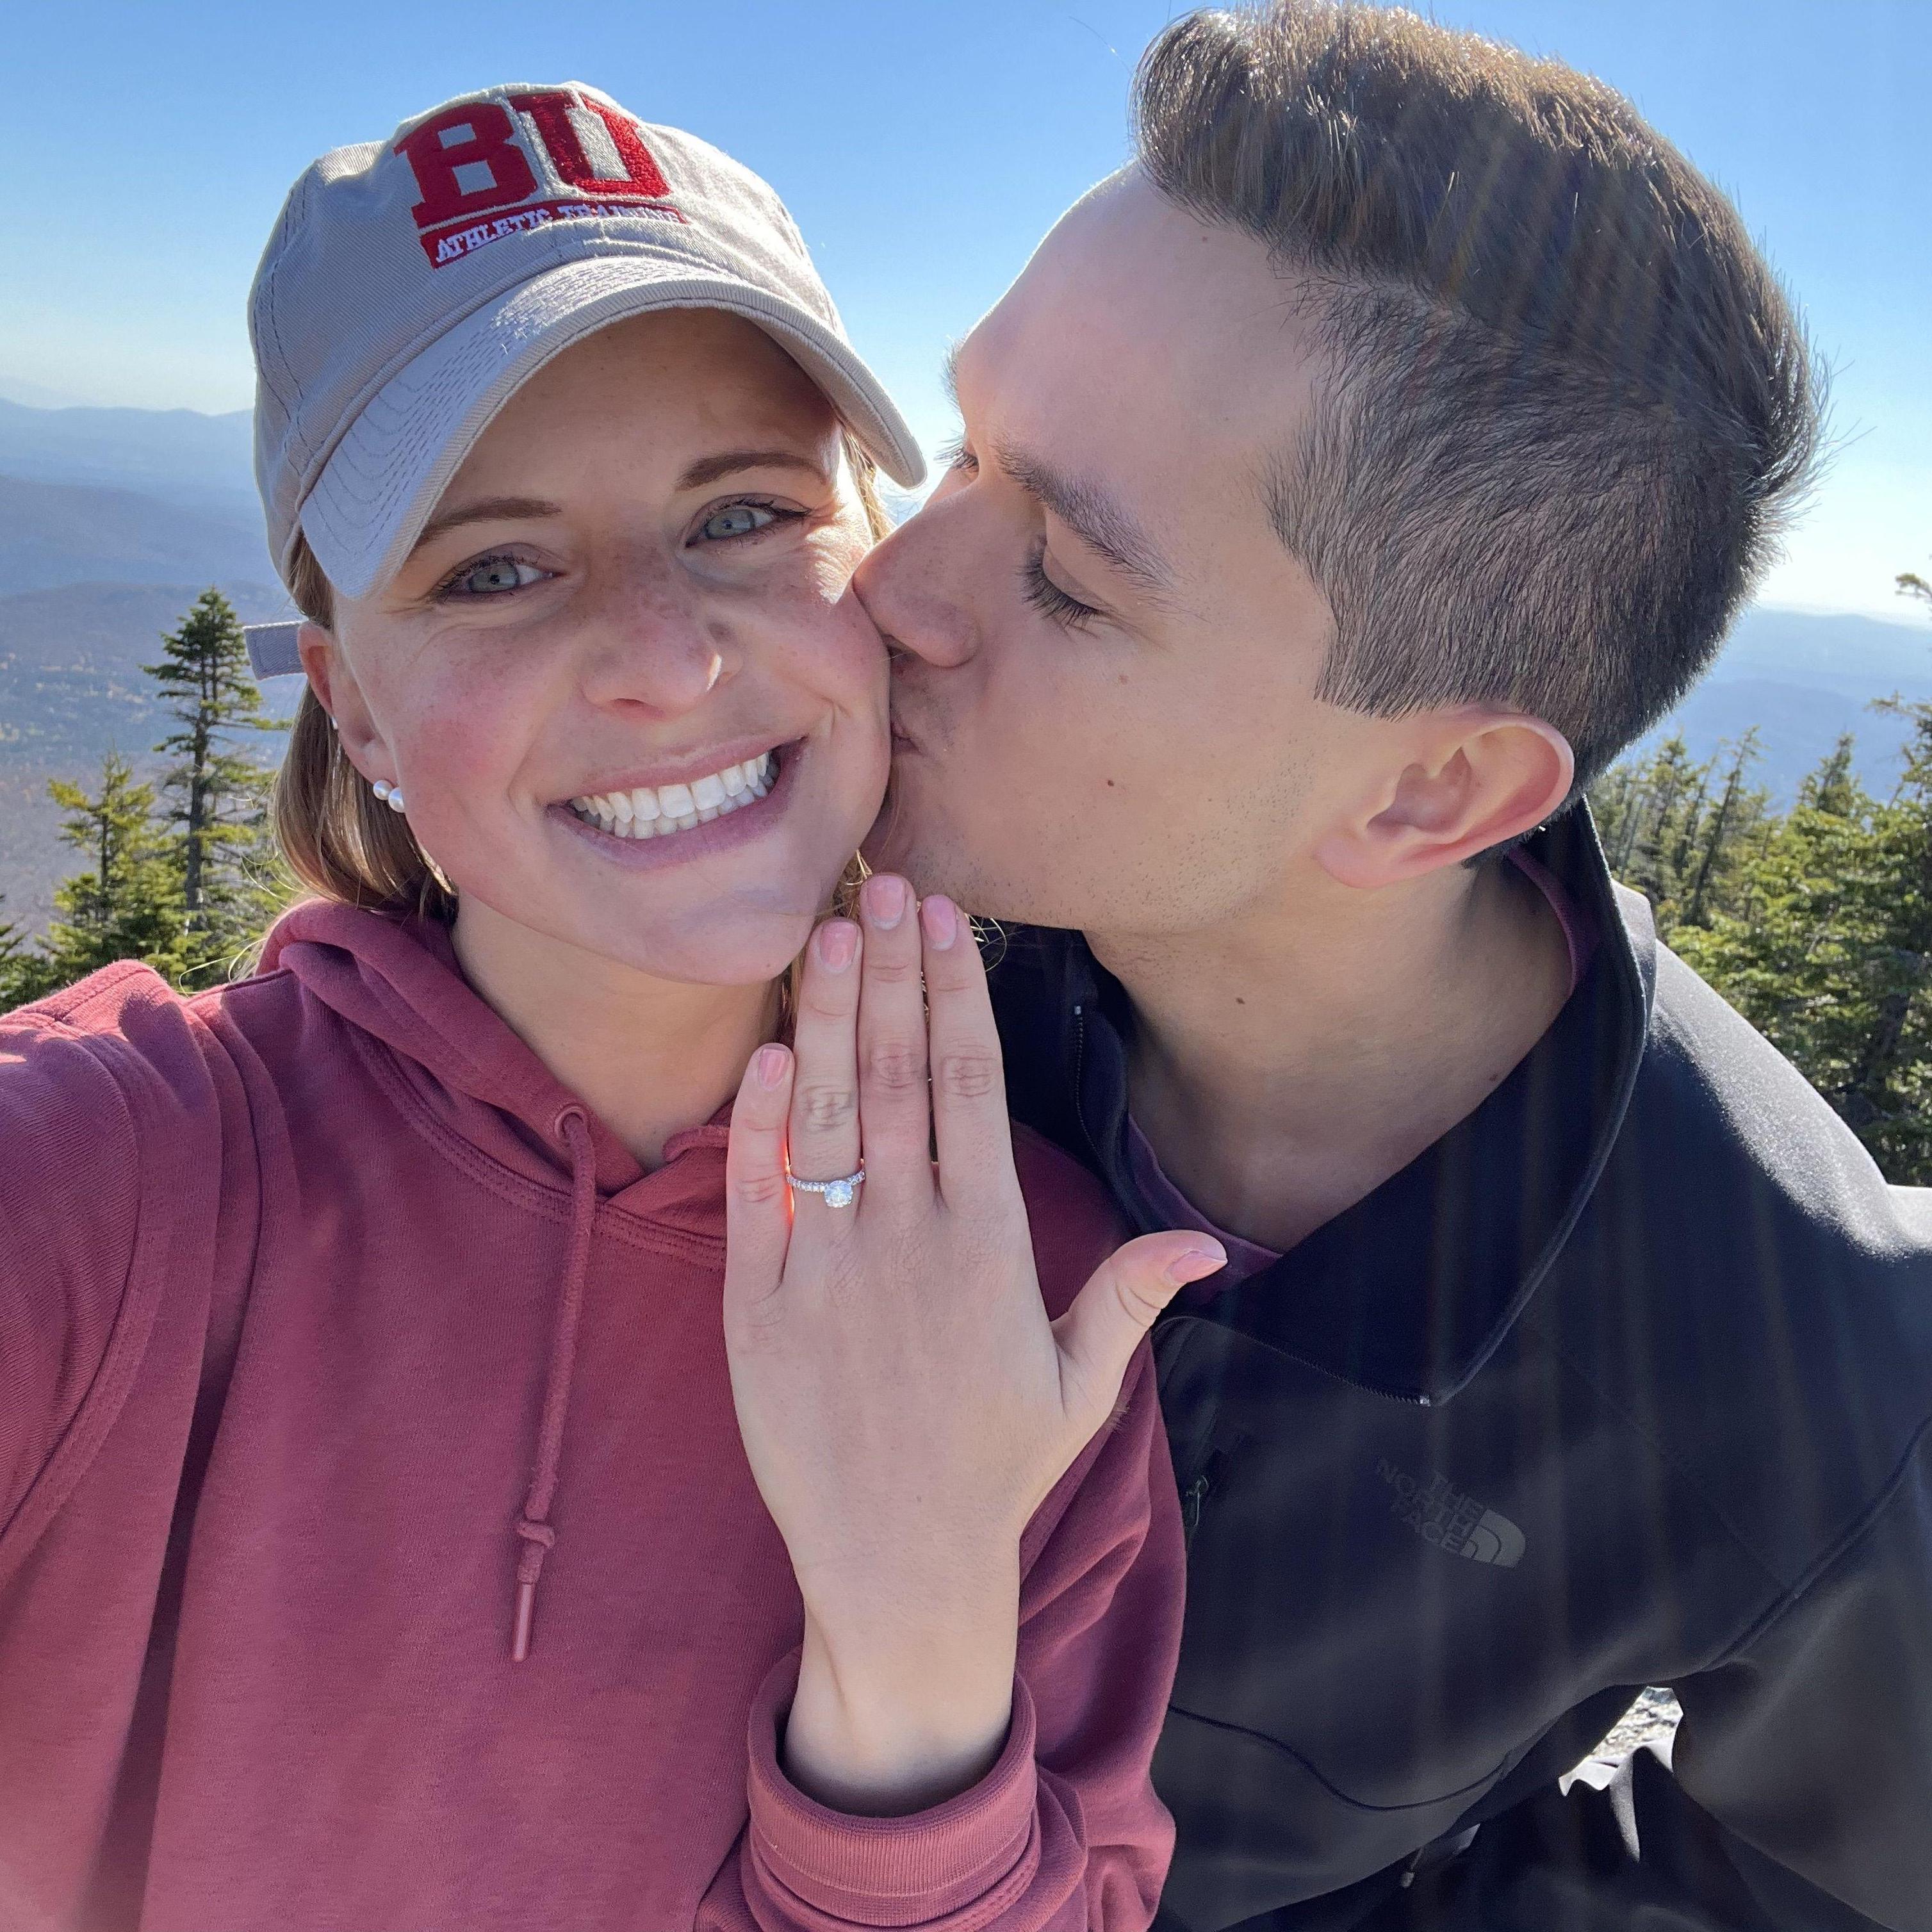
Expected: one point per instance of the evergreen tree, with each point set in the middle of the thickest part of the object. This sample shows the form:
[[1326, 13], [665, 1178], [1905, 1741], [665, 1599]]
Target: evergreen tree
[[216, 795], [1832, 788], [1712, 869], [1677, 833], [126, 904], [23, 971], [12, 945], [1830, 955]]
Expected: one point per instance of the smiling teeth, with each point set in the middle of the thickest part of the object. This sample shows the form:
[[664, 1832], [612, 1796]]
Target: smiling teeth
[[649, 811]]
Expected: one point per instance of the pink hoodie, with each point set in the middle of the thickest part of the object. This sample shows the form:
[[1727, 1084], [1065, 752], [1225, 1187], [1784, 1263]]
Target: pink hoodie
[[326, 1316]]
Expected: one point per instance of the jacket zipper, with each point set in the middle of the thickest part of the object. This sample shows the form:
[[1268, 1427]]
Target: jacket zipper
[[1079, 1074], [1190, 1509]]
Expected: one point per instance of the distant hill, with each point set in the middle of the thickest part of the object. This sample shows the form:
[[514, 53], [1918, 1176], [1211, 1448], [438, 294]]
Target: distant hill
[[1804, 677], [197, 461], [70, 679], [52, 534], [71, 688]]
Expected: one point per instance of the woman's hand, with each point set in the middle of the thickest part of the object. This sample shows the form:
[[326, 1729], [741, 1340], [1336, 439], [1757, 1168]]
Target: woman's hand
[[904, 1402]]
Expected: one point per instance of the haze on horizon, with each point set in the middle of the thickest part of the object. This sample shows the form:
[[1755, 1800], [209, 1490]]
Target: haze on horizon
[[924, 151]]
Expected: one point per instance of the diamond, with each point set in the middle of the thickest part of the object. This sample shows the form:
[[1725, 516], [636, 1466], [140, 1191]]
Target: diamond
[[838, 1194]]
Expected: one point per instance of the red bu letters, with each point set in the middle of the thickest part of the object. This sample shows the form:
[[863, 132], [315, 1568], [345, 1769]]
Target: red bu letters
[[551, 112], [467, 163], [483, 132]]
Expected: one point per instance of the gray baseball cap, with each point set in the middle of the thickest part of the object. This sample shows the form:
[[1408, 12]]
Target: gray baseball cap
[[412, 285]]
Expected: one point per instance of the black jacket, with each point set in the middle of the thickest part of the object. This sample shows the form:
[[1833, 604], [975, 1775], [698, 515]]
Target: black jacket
[[1626, 1382]]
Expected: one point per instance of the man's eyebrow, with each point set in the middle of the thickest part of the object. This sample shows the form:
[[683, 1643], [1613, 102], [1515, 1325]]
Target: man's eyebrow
[[708, 469], [488, 510], [949, 375], [1093, 515]]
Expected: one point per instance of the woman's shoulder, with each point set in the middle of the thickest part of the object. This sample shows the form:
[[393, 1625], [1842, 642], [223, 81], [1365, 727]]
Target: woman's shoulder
[[110, 1163], [126, 1026], [113, 1092], [1075, 1223], [122, 1028]]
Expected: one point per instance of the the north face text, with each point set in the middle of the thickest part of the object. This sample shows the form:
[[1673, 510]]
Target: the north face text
[[1441, 1514]]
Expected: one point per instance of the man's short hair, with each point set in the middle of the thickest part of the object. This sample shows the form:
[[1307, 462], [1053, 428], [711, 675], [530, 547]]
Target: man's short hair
[[1566, 403]]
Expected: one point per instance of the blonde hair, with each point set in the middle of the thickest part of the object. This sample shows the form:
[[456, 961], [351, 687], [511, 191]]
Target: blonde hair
[[339, 839]]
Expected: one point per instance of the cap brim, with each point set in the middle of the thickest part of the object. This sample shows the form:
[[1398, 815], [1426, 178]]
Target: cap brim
[[384, 479]]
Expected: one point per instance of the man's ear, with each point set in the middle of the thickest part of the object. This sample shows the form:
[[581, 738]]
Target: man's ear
[[1473, 779], [334, 685]]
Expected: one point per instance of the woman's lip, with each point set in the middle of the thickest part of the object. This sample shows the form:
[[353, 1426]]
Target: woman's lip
[[720, 835], [684, 771]]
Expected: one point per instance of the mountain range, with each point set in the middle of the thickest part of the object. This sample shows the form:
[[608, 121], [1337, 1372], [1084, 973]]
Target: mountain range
[[178, 456], [111, 521]]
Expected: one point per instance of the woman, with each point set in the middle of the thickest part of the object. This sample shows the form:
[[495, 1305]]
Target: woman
[[410, 1518]]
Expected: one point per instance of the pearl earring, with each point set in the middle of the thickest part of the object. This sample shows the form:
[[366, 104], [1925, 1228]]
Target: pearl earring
[[391, 795]]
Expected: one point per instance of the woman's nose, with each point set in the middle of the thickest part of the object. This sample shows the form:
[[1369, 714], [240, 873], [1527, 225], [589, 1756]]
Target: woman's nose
[[656, 649]]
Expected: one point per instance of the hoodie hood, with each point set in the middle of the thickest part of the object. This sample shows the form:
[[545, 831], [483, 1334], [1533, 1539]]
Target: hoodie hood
[[397, 981]]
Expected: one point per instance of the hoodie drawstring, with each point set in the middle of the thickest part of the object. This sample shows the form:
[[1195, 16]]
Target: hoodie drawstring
[[533, 1526]]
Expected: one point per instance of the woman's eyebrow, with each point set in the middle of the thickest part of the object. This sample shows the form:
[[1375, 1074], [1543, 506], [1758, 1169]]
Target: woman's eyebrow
[[708, 469], [488, 510], [705, 470]]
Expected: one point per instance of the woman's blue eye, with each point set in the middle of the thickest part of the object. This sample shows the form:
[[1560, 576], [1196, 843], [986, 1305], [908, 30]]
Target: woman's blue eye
[[735, 519], [494, 576]]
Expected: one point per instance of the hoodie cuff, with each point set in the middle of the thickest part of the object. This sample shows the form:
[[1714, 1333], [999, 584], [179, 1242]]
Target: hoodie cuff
[[977, 1849]]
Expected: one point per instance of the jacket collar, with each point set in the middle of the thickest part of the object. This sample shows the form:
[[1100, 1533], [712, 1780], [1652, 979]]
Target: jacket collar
[[1411, 1290]]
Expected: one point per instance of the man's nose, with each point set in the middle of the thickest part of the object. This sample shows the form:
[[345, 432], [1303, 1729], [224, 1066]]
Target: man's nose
[[654, 646], [908, 585]]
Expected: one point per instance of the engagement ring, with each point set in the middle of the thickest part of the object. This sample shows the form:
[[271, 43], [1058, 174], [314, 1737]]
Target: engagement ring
[[840, 1193]]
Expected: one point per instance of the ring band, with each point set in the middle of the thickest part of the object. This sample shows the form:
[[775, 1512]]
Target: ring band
[[839, 1193]]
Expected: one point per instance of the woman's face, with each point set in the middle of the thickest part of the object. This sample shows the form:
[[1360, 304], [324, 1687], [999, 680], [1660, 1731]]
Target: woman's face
[[629, 616]]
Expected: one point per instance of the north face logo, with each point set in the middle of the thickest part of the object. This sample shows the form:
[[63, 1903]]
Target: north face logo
[[1446, 1517]]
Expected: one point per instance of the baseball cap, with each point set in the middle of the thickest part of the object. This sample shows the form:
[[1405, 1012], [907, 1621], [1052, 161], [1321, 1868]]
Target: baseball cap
[[412, 285]]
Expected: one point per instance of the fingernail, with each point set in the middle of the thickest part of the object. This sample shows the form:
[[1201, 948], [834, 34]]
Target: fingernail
[[838, 944], [768, 1065], [940, 918], [884, 898], [1196, 1265]]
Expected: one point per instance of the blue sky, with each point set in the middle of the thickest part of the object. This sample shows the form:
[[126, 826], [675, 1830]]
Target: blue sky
[[924, 147]]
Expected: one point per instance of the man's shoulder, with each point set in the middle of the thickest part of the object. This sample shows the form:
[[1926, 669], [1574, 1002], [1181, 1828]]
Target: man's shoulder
[[1725, 1128], [1745, 1289]]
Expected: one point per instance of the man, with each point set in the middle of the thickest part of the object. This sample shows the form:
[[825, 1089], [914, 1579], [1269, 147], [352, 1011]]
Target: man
[[1342, 486]]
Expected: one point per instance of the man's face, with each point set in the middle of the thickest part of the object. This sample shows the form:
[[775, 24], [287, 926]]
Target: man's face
[[1104, 711]]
